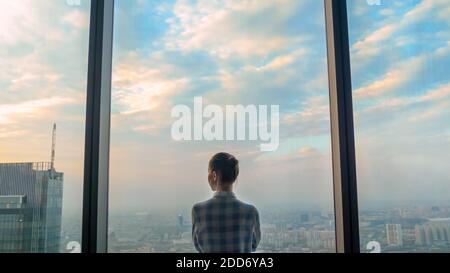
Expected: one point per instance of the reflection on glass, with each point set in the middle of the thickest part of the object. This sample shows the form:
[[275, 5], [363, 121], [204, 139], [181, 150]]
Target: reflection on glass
[[400, 53], [226, 53], [43, 55]]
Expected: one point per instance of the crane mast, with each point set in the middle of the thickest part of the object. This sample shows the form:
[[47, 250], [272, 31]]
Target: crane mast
[[53, 147]]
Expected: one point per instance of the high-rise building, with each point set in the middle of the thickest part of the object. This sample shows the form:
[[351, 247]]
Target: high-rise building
[[434, 232], [420, 235], [394, 235], [180, 221], [30, 207], [304, 217]]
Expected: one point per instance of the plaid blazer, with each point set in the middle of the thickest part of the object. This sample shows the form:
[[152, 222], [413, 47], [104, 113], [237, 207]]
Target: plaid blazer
[[223, 224]]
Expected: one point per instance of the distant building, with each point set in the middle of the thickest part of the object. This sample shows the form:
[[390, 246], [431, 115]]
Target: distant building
[[420, 235], [180, 221], [434, 232], [321, 239], [394, 235], [30, 208], [304, 217]]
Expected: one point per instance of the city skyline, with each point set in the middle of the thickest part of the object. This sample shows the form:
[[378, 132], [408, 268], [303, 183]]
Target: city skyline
[[416, 229]]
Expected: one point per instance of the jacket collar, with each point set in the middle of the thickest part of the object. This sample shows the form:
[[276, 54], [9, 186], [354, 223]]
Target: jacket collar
[[224, 194]]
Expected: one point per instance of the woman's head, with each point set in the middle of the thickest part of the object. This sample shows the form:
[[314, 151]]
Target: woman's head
[[223, 170]]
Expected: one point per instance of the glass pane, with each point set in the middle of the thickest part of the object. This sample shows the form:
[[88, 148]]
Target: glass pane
[[400, 53], [210, 55], [43, 59]]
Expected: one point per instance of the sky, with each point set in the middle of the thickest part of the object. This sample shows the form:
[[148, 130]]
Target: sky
[[228, 53], [400, 57], [43, 55], [233, 52]]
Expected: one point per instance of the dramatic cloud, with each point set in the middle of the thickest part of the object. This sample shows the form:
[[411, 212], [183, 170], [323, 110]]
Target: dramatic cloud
[[229, 28]]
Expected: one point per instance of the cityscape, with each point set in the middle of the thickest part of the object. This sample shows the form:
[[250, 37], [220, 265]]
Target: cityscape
[[408, 230], [290, 231], [415, 229], [31, 220]]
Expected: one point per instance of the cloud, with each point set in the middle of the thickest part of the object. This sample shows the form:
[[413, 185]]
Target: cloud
[[377, 42], [9, 132], [17, 21], [282, 61], [438, 109], [77, 19], [398, 76], [429, 104], [367, 47], [312, 120], [289, 158], [392, 80], [439, 93], [30, 109], [143, 93], [231, 28], [141, 86]]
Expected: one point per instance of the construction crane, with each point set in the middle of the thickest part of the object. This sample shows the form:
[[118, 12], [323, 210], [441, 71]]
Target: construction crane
[[53, 147]]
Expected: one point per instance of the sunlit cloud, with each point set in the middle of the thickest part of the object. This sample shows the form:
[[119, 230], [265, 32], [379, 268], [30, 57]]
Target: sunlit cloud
[[77, 19], [400, 74], [226, 28], [376, 42], [392, 80], [30, 109]]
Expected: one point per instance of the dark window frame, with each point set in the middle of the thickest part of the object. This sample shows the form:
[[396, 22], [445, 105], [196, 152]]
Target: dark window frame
[[342, 127], [98, 115]]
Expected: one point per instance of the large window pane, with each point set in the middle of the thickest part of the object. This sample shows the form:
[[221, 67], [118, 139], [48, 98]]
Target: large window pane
[[168, 53], [43, 59], [400, 53]]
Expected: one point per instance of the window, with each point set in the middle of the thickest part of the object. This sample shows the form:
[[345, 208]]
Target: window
[[43, 55], [400, 53], [220, 53], [195, 77]]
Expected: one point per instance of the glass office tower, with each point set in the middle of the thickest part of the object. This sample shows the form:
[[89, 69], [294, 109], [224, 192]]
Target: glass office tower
[[30, 207]]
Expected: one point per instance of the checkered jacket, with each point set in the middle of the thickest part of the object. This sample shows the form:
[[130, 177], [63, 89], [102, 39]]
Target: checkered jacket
[[223, 224]]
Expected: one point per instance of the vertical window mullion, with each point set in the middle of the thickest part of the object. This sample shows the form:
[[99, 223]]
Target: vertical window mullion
[[342, 128], [96, 165]]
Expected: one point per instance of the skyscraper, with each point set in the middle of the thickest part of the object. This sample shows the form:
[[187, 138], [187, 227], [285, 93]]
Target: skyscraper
[[394, 234], [434, 232], [30, 207], [420, 235], [180, 221]]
